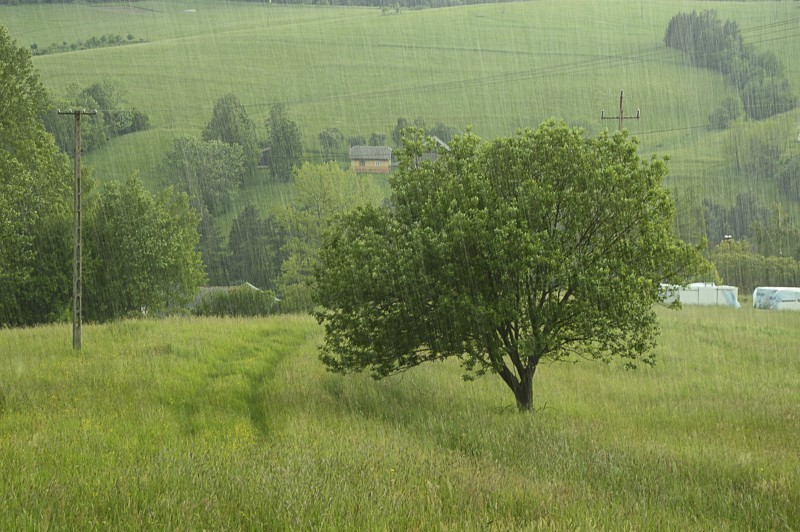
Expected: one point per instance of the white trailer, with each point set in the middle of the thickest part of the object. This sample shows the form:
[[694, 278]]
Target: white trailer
[[777, 298], [705, 294]]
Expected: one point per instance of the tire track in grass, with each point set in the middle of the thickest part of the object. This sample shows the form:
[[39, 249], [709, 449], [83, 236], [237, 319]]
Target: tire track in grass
[[229, 377]]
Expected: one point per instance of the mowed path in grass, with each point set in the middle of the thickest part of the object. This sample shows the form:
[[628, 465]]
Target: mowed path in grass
[[225, 424]]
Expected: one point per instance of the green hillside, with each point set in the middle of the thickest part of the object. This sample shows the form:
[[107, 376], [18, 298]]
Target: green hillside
[[496, 67], [234, 424]]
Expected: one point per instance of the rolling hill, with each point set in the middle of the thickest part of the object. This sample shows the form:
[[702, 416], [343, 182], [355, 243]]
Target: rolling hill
[[496, 67]]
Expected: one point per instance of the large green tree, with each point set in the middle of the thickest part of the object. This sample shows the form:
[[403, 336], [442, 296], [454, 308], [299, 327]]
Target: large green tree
[[140, 251], [285, 143], [231, 124], [34, 197], [322, 192], [210, 171], [255, 249], [333, 144], [545, 245]]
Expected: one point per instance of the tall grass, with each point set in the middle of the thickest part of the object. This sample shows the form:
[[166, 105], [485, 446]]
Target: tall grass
[[221, 424]]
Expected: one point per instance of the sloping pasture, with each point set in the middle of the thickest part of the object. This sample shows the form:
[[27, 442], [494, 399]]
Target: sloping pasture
[[496, 67]]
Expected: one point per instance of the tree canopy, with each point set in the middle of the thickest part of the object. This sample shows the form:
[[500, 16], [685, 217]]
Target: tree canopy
[[231, 124], [255, 248], [322, 192], [285, 143], [35, 195], [210, 171], [140, 252], [114, 117], [544, 245], [333, 144]]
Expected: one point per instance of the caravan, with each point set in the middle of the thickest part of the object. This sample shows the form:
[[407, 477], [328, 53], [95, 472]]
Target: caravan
[[707, 294], [776, 298]]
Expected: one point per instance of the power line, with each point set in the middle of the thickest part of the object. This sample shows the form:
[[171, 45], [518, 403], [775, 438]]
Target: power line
[[621, 117], [672, 130]]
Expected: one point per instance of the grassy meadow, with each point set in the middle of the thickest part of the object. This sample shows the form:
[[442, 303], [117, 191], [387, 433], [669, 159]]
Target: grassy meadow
[[234, 424], [496, 67]]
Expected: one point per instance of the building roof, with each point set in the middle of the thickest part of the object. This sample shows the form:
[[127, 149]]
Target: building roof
[[440, 142], [373, 153]]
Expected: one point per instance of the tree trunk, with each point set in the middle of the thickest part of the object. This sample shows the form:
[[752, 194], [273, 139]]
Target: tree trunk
[[524, 390]]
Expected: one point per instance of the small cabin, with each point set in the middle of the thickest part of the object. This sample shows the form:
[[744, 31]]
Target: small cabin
[[371, 159]]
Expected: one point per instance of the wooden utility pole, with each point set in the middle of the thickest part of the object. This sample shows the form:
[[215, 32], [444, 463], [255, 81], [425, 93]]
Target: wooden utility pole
[[621, 116], [77, 262]]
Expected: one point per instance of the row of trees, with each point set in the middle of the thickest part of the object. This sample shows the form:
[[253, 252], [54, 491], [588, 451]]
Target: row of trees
[[139, 256], [758, 77], [139, 250], [278, 252], [440, 130], [762, 153], [334, 144], [116, 116], [768, 231], [211, 170], [282, 150], [739, 265], [92, 42], [750, 244], [231, 125]]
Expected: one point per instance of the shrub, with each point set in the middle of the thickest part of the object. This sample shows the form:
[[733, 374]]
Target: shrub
[[239, 301], [729, 110]]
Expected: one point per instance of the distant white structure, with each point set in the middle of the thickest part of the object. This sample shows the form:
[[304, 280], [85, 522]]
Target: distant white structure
[[776, 298], [706, 294]]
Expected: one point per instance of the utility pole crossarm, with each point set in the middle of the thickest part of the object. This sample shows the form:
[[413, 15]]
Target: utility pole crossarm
[[77, 265], [621, 117]]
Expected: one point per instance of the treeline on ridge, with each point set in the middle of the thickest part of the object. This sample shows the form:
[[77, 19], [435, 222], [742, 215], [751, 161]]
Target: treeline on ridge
[[386, 5], [104, 41], [758, 77], [20, 2]]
